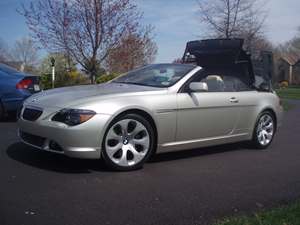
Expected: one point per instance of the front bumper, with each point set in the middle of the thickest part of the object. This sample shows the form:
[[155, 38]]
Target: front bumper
[[82, 141]]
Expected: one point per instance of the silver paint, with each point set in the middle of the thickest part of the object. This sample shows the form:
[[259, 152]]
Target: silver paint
[[182, 120]]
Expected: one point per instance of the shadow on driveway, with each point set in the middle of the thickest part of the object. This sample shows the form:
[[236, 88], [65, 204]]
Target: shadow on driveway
[[51, 161], [9, 119], [170, 156], [62, 164]]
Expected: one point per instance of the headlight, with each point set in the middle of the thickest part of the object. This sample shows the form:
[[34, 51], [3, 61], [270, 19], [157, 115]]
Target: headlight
[[73, 117]]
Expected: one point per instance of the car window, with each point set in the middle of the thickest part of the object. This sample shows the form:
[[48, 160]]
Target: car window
[[224, 83], [222, 80], [215, 83], [240, 85]]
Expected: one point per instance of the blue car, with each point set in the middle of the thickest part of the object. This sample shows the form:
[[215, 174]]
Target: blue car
[[15, 87]]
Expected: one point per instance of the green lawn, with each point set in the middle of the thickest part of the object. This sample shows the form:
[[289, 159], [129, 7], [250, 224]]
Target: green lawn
[[290, 93], [287, 215]]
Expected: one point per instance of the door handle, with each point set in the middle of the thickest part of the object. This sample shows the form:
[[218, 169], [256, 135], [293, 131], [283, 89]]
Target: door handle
[[234, 100]]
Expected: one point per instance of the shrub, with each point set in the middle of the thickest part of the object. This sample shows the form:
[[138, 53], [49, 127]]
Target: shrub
[[64, 79], [284, 84]]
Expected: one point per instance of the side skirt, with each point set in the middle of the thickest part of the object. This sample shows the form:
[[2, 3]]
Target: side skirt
[[205, 142]]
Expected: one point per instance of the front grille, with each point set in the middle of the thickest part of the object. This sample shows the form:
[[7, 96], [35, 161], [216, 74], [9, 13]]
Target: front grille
[[31, 114], [33, 139]]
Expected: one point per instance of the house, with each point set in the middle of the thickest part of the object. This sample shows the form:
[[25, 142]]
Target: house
[[289, 69]]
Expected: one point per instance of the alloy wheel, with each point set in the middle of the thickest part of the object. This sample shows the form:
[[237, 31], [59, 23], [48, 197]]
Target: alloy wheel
[[265, 130], [127, 142]]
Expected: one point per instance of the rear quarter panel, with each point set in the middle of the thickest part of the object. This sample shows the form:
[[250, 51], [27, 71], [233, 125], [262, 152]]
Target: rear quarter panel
[[9, 95], [253, 103]]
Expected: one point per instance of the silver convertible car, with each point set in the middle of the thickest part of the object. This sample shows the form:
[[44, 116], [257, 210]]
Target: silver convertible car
[[156, 108]]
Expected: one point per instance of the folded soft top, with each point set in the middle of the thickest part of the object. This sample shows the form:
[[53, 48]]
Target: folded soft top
[[218, 53]]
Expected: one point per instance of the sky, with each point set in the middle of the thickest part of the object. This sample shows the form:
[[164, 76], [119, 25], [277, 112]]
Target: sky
[[175, 22]]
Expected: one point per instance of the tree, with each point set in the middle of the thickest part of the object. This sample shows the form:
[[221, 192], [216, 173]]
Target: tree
[[25, 51], [292, 47], [66, 72], [234, 18], [86, 30], [4, 55], [97, 68], [134, 50]]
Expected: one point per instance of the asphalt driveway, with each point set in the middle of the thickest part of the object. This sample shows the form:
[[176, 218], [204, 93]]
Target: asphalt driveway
[[190, 187]]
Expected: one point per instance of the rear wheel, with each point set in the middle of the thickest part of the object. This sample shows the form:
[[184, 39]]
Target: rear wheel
[[128, 143], [264, 130]]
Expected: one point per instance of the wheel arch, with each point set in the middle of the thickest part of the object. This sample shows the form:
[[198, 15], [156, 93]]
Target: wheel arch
[[272, 111]]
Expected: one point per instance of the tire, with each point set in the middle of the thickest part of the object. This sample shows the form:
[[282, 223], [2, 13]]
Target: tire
[[128, 143], [264, 130]]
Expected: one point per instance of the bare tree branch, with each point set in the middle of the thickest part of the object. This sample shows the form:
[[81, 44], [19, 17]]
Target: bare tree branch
[[234, 18], [86, 30], [25, 51]]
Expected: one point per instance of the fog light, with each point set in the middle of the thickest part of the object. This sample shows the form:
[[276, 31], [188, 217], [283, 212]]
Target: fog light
[[55, 146]]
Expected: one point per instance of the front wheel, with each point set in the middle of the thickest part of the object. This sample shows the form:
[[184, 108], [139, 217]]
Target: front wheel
[[128, 143], [264, 130]]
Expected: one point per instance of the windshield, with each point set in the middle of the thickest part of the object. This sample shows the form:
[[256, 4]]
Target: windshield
[[157, 75]]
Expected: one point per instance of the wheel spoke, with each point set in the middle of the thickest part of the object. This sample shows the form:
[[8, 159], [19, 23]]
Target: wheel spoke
[[269, 126], [269, 136], [124, 126], [113, 136], [123, 161], [144, 141], [264, 138], [112, 150], [260, 136], [137, 156], [138, 128]]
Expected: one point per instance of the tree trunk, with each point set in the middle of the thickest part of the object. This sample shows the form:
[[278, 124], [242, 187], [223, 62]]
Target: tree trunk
[[92, 77]]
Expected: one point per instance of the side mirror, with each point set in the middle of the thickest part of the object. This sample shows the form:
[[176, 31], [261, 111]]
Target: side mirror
[[264, 87], [198, 86]]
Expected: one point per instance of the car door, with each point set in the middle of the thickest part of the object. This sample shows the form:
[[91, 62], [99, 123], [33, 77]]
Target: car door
[[248, 103], [206, 115]]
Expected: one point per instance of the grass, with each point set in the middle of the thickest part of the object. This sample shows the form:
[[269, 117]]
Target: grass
[[289, 93], [287, 215]]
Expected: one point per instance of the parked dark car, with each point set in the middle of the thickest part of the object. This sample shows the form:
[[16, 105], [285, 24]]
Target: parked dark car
[[15, 87]]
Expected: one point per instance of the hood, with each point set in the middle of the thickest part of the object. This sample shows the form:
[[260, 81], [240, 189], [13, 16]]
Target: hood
[[64, 97]]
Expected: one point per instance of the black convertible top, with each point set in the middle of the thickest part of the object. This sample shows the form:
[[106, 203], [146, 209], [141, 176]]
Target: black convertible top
[[219, 53]]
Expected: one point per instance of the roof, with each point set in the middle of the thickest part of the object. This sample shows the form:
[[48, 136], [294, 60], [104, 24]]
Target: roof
[[291, 59]]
